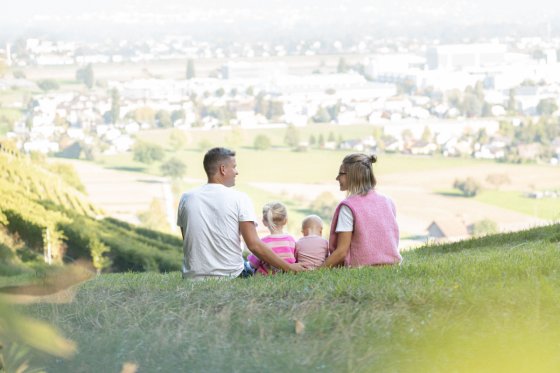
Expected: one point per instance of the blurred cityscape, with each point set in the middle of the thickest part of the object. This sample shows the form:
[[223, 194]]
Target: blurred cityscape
[[488, 100]]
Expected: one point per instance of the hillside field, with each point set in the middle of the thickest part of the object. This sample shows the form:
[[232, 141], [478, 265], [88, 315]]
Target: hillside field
[[484, 305]]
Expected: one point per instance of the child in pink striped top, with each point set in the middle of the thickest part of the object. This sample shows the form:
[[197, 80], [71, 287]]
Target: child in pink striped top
[[275, 218]]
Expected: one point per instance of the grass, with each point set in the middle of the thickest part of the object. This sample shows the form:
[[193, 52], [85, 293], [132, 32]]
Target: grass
[[544, 208], [285, 166], [483, 305]]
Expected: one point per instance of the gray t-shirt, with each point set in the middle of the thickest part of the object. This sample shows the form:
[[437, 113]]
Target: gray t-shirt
[[209, 217]]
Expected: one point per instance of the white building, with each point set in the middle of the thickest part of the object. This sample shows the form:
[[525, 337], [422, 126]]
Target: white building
[[455, 57]]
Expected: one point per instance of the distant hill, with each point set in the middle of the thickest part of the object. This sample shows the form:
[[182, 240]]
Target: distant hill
[[45, 216]]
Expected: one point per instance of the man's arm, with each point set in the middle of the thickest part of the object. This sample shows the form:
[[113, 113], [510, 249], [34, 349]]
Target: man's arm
[[257, 247]]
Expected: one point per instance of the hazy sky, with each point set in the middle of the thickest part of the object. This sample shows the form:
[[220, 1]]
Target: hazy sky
[[236, 18]]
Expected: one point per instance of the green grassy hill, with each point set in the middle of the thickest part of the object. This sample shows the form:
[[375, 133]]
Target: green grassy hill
[[483, 305], [43, 208]]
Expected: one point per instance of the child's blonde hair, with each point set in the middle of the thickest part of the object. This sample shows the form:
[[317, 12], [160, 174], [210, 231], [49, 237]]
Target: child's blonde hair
[[275, 214]]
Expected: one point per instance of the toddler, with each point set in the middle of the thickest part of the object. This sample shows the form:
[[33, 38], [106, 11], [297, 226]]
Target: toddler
[[312, 249], [275, 218]]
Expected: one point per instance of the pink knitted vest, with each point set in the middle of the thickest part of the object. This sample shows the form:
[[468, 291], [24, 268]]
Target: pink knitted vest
[[375, 239]]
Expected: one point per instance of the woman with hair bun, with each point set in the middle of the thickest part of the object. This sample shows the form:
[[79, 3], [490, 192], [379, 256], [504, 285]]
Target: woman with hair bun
[[364, 228]]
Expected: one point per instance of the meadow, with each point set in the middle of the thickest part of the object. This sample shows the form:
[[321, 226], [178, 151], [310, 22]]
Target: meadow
[[483, 305], [414, 182]]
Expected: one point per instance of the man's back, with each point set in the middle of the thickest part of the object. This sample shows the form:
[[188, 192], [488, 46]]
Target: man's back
[[209, 217]]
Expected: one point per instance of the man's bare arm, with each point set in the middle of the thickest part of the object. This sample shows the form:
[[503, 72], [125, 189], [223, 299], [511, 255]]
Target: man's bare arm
[[257, 247]]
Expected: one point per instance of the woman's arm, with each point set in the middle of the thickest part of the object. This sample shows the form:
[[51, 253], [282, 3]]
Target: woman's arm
[[343, 240]]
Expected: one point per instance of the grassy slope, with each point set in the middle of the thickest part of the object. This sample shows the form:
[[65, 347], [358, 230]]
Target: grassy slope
[[481, 305]]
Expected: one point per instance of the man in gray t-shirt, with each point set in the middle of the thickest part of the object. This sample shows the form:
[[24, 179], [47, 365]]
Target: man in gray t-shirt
[[211, 219]]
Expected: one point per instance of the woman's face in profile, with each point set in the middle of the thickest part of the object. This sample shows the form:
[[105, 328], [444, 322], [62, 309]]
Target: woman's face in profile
[[341, 178]]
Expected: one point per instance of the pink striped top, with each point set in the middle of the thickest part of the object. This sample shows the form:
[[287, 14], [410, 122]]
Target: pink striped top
[[283, 245]]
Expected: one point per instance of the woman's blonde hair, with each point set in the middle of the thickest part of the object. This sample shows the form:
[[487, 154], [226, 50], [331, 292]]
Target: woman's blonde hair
[[359, 173], [275, 214]]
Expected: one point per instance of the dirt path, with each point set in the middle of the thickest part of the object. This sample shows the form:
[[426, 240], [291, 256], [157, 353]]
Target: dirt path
[[124, 195]]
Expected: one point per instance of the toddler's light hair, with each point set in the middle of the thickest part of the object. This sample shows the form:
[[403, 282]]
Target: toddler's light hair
[[311, 221], [275, 214]]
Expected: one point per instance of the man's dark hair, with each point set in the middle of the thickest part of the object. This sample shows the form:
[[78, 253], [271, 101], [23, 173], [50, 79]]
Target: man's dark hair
[[213, 157]]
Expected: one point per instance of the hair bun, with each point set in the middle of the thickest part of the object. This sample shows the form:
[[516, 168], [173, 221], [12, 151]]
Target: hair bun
[[373, 158]]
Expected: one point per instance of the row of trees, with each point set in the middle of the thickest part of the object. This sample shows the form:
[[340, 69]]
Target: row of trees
[[149, 153]]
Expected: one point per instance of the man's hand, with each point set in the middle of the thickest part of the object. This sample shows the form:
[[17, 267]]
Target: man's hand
[[296, 267], [257, 247]]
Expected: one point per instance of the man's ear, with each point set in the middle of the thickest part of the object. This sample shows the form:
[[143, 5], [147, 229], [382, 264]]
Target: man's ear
[[222, 169]]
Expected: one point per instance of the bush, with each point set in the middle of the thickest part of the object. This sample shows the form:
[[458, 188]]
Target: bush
[[324, 205], [262, 142], [147, 153], [484, 227], [48, 84], [469, 187], [174, 168]]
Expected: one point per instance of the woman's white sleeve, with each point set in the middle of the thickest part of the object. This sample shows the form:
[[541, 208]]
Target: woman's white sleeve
[[345, 221]]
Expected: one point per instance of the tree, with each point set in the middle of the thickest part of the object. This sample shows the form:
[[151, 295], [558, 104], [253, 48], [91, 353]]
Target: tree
[[261, 142], [115, 105], [204, 145], [48, 84], [97, 250], [512, 103], [275, 109], [469, 187], [163, 119], [498, 180], [312, 140], [324, 205], [177, 139], [291, 138], [174, 168], [146, 152], [261, 105], [190, 73], [427, 134], [155, 217], [484, 227], [322, 116], [85, 75], [547, 106], [178, 115], [220, 92], [482, 136]]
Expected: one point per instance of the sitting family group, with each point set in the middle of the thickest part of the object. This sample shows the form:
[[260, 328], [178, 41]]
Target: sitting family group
[[212, 218]]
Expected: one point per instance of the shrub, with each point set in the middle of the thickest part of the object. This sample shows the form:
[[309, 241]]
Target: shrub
[[262, 142], [147, 153], [469, 187]]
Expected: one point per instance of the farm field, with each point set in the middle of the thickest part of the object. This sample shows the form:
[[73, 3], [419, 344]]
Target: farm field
[[175, 68], [483, 305], [414, 182]]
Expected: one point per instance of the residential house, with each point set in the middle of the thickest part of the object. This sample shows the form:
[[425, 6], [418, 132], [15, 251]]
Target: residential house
[[448, 229]]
